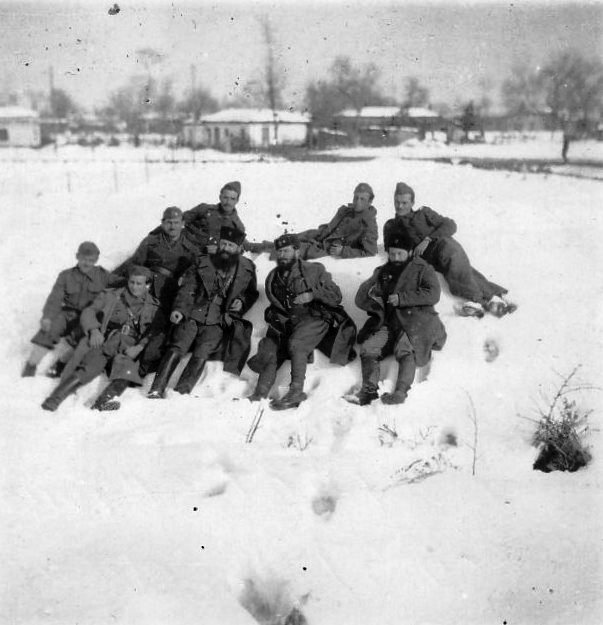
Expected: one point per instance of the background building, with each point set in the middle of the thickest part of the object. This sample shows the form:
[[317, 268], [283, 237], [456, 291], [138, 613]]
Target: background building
[[240, 129], [19, 127]]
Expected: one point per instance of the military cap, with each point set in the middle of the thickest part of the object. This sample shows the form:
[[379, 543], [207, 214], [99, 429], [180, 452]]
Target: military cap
[[88, 248], [235, 186], [139, 270], [286, 239], [364, 187], [171, 212], [402, 188], [234, 235]]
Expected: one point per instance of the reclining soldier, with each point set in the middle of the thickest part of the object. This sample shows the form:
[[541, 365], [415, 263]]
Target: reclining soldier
[[118, 326]]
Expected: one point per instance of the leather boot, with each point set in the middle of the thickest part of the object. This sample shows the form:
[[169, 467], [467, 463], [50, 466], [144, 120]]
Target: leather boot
[[106, 400], [264, 384], [406, 375], [29, 370], [61, 392], [190, 376], [292, 399], [168, 364]]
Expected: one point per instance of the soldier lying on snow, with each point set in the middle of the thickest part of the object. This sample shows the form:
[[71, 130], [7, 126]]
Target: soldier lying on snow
[[399, 298], [73, 290], [304, 313], [208, 315], [352, 233], [119, 326], [430, 236]]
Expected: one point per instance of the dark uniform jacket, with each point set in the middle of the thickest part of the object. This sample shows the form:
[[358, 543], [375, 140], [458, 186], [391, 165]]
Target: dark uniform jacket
[[418, 289], [418, 224], [204, 222], [167, 259], [313, 277], [125, 321], [74, 290], [196, 293], [358, 232]]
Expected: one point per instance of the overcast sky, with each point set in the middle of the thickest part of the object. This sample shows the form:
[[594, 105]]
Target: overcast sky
[[450, 46]]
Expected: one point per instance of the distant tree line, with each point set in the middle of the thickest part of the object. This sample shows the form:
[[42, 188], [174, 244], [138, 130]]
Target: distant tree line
[[568, 85]]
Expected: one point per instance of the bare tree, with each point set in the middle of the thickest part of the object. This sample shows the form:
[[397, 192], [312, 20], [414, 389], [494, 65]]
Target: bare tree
[[522, 91], [573, 86], [346, 87], [273, 74], [415, 94]]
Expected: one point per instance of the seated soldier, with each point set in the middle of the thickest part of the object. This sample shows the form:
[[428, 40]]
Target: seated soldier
[[430, 234], [352, 233], [399, 298], [118, 325], [73, 290], [204, 221], [304, 313], [168, 253], [207, 313]]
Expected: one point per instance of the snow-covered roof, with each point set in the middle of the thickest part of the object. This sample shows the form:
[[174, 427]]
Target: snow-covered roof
[[371, 111], [17, 112], [256, 116], [420, 111]]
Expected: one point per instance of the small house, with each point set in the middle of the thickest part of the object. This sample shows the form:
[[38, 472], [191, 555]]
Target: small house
[[19, 127], [242, 129]]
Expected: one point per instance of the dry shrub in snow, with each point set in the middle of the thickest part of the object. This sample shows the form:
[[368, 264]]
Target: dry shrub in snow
[[270, 603], [560, 437], [561, 431]]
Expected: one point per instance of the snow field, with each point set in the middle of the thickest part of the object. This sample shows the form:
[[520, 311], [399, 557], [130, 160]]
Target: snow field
[[160, 513]]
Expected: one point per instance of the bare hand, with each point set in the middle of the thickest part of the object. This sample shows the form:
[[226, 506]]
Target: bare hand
[[227, 319], [420, 249], [304, 298], [236, 306], [212, 248], [394, 299], [176, 316], [45, 324], [336, 250], [96, 338], [134, 351]]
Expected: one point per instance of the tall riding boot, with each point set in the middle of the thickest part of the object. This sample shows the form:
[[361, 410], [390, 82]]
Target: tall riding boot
[[167, 366], [190, 376], [406, 375], [371, 371], [106, 400], [264, 384], [68, 386], [295, 395]]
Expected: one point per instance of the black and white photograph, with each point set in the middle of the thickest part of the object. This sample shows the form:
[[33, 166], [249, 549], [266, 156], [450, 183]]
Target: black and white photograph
[[302, 312]]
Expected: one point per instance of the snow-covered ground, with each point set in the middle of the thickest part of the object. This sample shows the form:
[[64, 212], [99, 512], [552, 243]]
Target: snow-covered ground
[[161, 513]]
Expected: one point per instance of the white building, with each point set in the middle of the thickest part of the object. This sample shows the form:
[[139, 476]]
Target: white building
[[239, 129], [19, 127]]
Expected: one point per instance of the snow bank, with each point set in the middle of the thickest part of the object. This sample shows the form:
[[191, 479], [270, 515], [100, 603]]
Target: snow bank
[[161, 513]]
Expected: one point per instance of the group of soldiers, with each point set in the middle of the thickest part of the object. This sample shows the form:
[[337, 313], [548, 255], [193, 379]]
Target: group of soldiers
[[188, 287]]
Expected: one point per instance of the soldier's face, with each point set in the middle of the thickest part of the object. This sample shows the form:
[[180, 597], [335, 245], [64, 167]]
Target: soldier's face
[[403, 203], [173, 227], [228, 247], [137, 285], [361, 201], [397, 255], [85, 262], [228, 200], [286, 256]]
